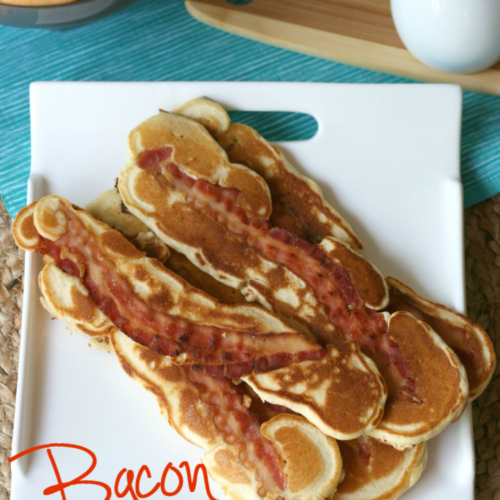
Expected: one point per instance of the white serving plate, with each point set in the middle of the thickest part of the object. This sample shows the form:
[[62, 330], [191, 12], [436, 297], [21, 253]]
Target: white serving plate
[[387, 156]]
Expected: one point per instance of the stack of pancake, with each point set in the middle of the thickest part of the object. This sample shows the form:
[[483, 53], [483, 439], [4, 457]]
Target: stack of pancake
[[268, 340]]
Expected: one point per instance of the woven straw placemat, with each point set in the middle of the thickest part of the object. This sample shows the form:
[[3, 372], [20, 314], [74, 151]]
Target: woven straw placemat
[[482, 230]]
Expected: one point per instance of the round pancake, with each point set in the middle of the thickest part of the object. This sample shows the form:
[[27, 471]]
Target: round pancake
[[467, 339], [441, 388], [24, 231], [322, 391], [209, 113], [204, 159], [313, 461], [377, 471]]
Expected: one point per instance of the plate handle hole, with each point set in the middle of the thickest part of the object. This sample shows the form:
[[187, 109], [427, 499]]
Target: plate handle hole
[[278, 126]]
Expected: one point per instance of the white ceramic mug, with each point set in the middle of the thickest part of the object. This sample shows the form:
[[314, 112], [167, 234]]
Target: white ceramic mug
[[458, 36]]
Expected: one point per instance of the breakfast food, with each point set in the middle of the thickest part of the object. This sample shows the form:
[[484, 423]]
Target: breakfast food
[[211, 412], [377, 471], [263, 395], [328, 289], [298, 203], [373, 470], [159, 310], [109, 208], [189, 406], [468, 340]]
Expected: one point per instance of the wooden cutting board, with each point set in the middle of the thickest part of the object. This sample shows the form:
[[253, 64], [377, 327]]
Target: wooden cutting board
[[356, 32]]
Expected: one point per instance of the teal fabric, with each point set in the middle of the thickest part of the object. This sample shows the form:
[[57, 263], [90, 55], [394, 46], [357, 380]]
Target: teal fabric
[[157, 40]]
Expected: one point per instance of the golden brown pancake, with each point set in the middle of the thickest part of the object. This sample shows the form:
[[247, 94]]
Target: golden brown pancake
[[314, 464], [206, 159], [298, 202], [467, 339], [207, 112], [377, 471], [310, 390], [373, 470], [440, 385], [109, 208]]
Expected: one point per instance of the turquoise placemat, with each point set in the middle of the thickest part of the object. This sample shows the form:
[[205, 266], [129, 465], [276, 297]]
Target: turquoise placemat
[[158, 40]]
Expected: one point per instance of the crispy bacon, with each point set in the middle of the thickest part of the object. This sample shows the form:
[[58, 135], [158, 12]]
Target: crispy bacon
[[330, 281], [210, 350], [240, 427]]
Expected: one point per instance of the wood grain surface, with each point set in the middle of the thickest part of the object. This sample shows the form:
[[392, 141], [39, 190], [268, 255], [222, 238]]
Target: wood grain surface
[[356, 32]]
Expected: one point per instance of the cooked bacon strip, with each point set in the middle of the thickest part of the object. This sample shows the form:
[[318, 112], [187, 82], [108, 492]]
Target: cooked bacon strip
[[240, 427], [330, 282], [208, 349]]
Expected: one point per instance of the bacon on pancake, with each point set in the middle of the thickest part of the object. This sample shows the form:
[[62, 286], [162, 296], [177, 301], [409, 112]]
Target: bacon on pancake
[[189, 135], [211, 412], [336, 277], [246, 459], [298, 202], [467, 339], [208, 411], [145, 300], [210, 349], [108, 207]]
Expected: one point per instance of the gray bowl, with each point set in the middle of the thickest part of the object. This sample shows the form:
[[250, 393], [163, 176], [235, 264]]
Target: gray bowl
[[58, 16]]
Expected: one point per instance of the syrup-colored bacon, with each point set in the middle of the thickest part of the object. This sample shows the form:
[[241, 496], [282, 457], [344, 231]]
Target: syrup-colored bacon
[[208, 349], [330, 282], [240, 427]]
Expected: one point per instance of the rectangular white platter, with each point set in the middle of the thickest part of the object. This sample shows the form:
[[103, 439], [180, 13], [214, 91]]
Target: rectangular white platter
[[387, 157]]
